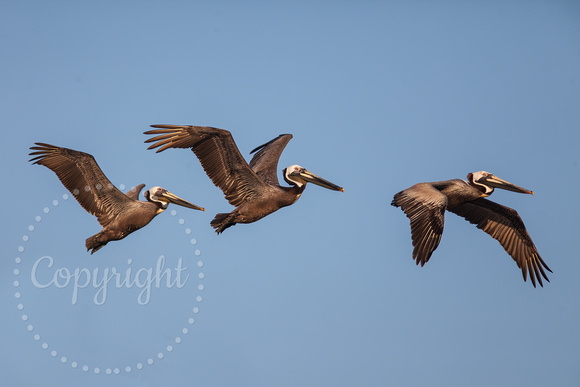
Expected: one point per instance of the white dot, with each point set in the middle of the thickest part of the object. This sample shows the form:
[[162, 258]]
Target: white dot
[[193, 241], [160, 355], [178, 340], [185, 331], [53, 354], [44, 346], [195, 310], [127, 369], [55, 203], [173, 212], [63, 359], [97, 370], [87, 188], [190, 321], [18, 260], [16, 271], [37, 337], [31, 228], [139, 366], [149, 361], [16, 284], [30, 328], [25, 238], [17, 295], [129, 261], [181, 221], [197, 252], [46, 210], [76, 192], [201, 275], [85, 368], [169, 348], [108, 371], [24, 317], [74, 364], [99, 186], [20, 249], [65, 196], [116, 371], [200, 287], [188, 231], [110, 186], [122, 186], [38, 218], [198, 298]]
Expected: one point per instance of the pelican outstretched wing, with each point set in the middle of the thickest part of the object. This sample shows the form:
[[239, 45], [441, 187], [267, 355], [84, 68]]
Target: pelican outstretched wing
[[219, 156], [134, 192], [505, 225], [425, 206], [265, 161], [81, 175]]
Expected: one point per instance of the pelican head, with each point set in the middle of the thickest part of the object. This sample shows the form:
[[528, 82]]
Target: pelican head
[[486, 182], [296, 175], [163, 197]]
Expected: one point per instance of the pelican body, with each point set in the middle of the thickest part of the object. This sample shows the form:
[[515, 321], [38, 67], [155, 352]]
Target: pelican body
[[252, 188], [425, 205], [119, 214]]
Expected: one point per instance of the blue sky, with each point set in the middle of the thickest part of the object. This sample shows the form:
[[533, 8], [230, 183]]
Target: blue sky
[[378, 96]]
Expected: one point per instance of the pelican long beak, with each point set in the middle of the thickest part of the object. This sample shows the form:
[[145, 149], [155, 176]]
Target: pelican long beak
[[312, 178], [171, 198], [496, 182]]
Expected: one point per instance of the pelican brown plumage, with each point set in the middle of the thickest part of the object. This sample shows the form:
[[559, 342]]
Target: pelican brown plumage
[[425, 205], [119, 214], [252, 188]]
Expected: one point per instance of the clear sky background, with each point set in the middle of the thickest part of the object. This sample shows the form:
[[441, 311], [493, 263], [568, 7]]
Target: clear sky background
[[379, 96]]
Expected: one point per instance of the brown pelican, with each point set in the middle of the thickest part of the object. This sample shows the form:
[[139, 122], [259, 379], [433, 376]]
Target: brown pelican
[[425, 205], [253, 189], [120, 214]]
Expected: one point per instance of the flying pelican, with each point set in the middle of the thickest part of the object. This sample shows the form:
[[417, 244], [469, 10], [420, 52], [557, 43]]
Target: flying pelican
[[425, 205], [253, 189], [120, 214]]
